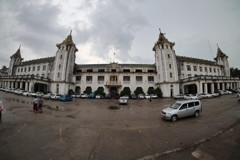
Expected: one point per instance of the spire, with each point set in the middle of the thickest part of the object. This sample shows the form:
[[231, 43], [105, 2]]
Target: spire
[[68, 41], [17, 54], [162, 39], [220, 53]]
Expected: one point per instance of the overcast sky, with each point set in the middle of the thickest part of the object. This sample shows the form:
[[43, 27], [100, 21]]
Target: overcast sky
[[128, 28]]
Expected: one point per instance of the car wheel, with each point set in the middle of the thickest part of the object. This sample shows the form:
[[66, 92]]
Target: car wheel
[[196, 114], [174, 118]]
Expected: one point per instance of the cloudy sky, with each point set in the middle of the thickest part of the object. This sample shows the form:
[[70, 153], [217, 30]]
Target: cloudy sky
[[128, 28]]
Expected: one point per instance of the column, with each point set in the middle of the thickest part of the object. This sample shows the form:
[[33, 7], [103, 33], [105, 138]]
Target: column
[[26, 86], [205, 87], [30, 86], [21, 85], [223, 86], [218, 86], [212, 88], [200, 89]]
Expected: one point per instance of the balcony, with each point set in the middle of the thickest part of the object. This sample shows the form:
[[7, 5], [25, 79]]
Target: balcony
[[113, 84]]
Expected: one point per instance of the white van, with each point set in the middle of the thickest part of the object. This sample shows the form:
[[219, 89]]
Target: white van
[[182, 109]]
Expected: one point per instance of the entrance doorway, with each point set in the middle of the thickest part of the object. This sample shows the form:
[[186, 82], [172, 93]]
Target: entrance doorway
[[114, 92]]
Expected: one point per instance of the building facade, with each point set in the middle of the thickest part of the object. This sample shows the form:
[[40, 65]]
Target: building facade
[[173, 74]]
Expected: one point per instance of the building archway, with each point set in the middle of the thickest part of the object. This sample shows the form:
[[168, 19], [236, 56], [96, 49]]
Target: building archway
[[190, 89], [40, 87], [77, 90], [113, 92]]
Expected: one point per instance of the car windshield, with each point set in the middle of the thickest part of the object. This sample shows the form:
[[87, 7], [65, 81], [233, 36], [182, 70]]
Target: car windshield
[[176, 106], [123, 98]]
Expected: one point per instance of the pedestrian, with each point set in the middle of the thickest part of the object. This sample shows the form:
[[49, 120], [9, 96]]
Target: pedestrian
[[35, 104], [40, 104], [1, 109]]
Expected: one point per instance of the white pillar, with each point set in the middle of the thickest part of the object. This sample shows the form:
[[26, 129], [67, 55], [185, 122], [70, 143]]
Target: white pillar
[[212, 87], [223, 86], [205, 88]]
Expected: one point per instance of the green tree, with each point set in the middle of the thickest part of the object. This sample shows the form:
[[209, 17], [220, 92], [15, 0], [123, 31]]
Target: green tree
[[100, 91], [138, 91], [88, 90], [126, 91], [234, 72], [70, 92], [151, 90], [158, 91]]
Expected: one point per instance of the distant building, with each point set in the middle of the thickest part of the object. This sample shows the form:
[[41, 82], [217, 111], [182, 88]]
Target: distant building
[[173, 74]]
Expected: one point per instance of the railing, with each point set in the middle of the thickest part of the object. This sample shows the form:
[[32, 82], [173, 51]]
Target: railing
[[195, 78], [25, 77]]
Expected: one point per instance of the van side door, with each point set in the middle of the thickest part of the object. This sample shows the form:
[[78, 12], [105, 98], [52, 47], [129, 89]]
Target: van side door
[[182, 112], [191, 108]]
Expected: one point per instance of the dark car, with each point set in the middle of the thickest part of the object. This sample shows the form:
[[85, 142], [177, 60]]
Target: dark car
[[65, 98]]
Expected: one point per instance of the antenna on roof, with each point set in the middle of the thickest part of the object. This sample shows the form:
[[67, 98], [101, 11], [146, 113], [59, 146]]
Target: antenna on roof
[[210, 48], [71, 32], [19, 46], [160, 30]]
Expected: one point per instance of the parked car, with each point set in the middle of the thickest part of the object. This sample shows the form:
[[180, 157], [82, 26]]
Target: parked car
[[47, 96], [98, 96], [65, 98], [83, 96], [179, 96], [55, 96], [26, 93], [215, 94], [203, 95], [123, 100], [39, 94], [141, 96], [182, 109], [92, 95], [147, 96], [154, 96], [33, 94], [133, 96], [191, 96]]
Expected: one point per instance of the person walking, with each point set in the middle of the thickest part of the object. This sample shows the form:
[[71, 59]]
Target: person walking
[[238, 97], [1, 109], [40, 104], [35, 104]]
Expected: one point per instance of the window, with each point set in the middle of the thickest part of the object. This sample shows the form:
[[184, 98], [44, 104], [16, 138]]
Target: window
[[150, 79], [44, 67], [170, 74], [214, 70], [195, 68], [101, 70], [205, 69], [126, 78], [150, 70], [25, 69], [38, 68], [189, 75], [210, 69], [33, 68], [78, 78], [29, 69], [21, 69], [58, 75], [139, 78], [200, 68], [89, 70], [170, 66], [167, 46], [188, 67], [79, 70], [162, 46], [184, 106], [89, 78], [191, 104], [169, 56], [113, 70], [113, 78], [60, 56], [126, 70], [100, 78], [138, 70], [196, 103], [18, 69]]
